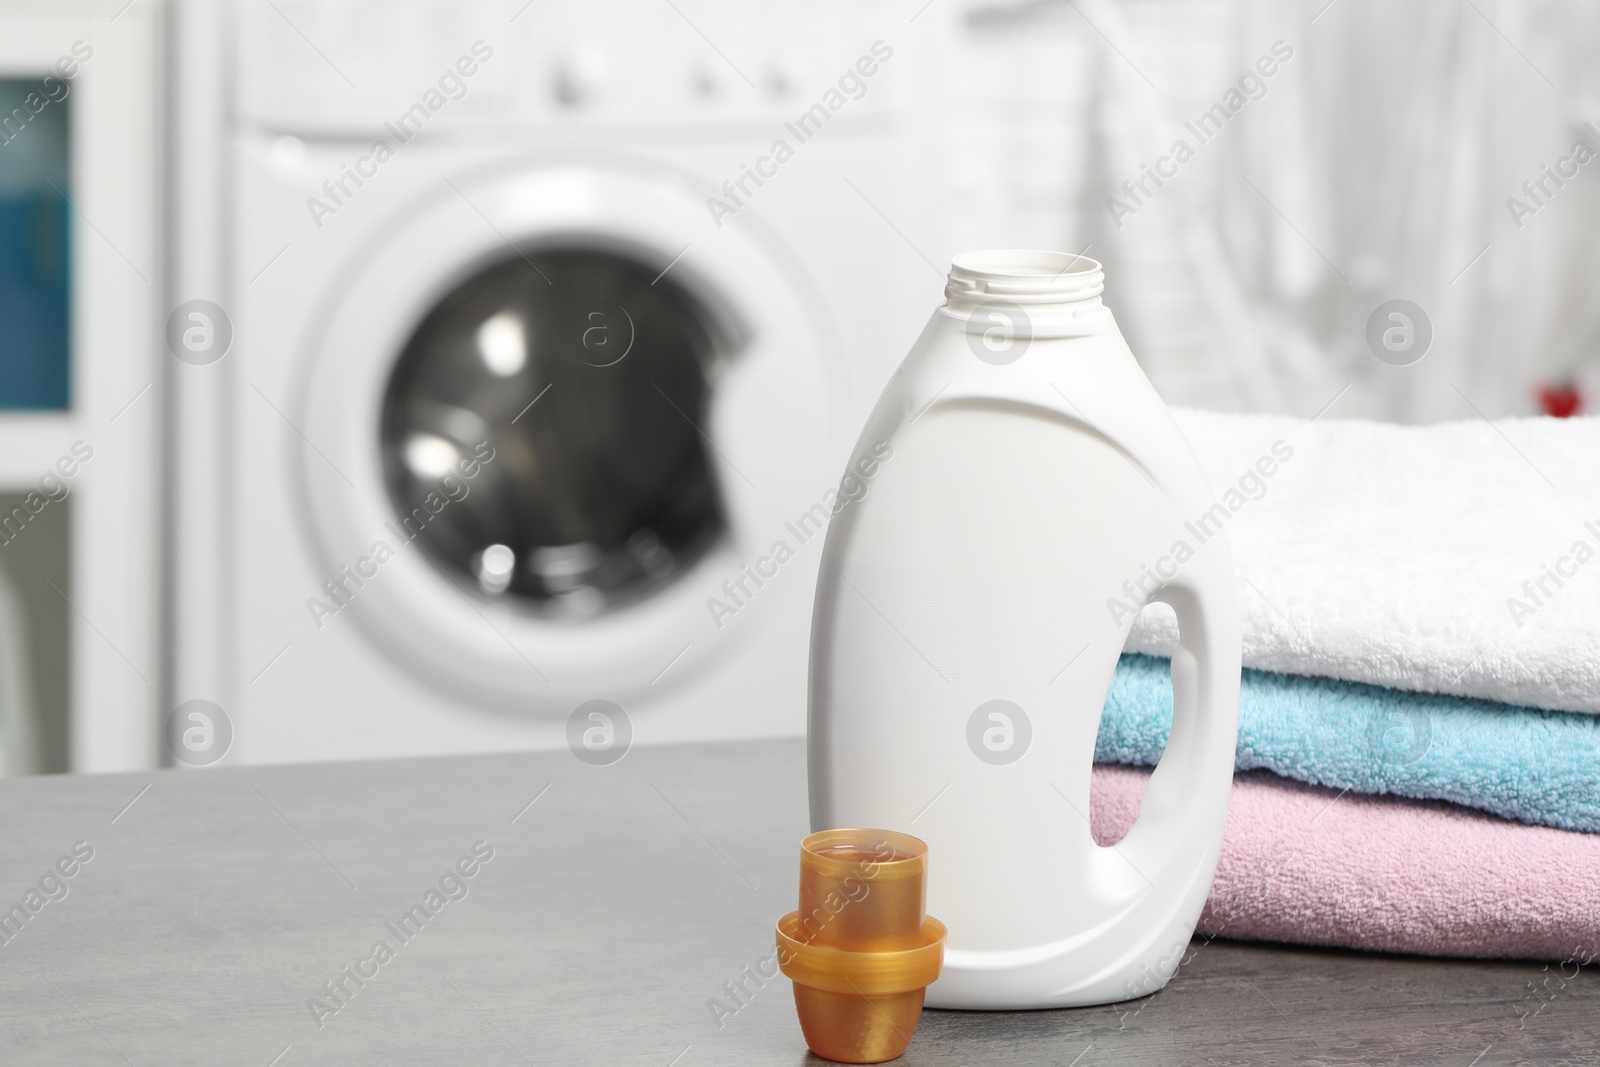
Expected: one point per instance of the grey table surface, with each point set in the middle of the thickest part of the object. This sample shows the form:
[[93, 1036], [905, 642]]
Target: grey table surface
[[615, 907]]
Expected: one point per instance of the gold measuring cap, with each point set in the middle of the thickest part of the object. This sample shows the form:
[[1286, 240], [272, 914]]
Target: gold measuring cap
[[861, 949]]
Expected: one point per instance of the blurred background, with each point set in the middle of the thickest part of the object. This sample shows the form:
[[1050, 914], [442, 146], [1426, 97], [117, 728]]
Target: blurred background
[[389, 379]]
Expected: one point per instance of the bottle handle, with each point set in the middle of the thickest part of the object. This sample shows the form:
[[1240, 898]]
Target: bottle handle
[[1185, 803]]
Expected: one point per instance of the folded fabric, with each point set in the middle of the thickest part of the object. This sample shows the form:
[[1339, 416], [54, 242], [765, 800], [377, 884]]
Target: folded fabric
[[1536, 766], [1305, 864], [1459, 558]]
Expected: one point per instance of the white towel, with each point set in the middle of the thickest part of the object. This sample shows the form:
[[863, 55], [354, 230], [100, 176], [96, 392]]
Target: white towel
[[1459, 558]]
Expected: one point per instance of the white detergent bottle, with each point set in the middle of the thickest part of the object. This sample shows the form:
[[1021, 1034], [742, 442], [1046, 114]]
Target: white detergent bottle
[[1027, 493]]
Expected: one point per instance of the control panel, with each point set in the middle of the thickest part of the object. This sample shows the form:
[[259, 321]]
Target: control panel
[[345, 68]]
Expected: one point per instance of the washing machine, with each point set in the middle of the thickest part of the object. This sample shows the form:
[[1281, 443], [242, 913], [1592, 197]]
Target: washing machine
[[532, 343]]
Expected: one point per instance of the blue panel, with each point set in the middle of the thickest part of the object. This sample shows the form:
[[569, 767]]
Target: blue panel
[[35, 246]]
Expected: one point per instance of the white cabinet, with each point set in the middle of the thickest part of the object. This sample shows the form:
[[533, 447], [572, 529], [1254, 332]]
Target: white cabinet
[[81, 390]]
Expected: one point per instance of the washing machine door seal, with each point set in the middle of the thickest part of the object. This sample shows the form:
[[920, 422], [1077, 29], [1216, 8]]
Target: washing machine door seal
[[774, 427]]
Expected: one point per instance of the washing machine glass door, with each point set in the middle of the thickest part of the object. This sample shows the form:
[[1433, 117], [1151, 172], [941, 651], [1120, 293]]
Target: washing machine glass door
[[555, 364], [546, 447]]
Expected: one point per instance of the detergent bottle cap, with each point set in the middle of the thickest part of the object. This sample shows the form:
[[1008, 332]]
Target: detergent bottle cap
[[860, 948]]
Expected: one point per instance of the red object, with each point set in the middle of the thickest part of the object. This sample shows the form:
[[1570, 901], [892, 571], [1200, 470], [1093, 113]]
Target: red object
[[1561, 399]]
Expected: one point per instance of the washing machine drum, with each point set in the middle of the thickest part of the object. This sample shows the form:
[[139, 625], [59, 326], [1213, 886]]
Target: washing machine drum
[[543, 376]]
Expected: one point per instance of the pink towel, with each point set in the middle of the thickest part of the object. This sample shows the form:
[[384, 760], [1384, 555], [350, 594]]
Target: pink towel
[[1305, 864]]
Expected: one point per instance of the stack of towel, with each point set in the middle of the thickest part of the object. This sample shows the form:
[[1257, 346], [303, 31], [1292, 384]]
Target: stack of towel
[[1419, 717]]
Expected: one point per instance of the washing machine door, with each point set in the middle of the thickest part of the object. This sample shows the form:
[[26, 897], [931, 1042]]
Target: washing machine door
[[604, 495], [552, 414]]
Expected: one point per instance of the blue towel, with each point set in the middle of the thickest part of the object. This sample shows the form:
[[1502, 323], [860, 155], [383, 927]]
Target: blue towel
[[1536, 766]]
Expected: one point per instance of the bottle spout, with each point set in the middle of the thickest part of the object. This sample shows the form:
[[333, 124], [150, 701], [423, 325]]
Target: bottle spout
[[1024, 276], [1026, 293]]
